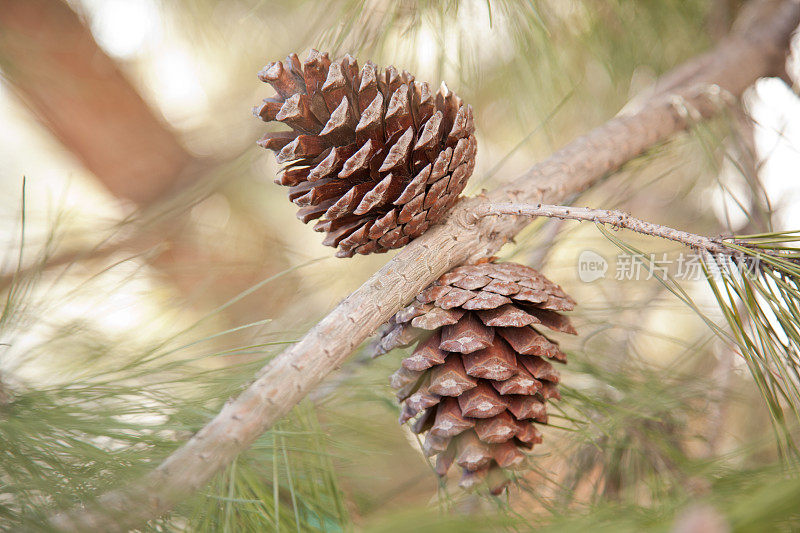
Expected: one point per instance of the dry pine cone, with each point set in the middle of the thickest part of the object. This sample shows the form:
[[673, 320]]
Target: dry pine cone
[[480, 376], [372, 154]]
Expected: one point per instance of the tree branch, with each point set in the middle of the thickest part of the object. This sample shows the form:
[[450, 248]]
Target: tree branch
[[78, 92], [754, 51], [618, 219]]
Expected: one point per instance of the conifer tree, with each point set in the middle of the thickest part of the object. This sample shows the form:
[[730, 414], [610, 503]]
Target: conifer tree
[[680, 405]]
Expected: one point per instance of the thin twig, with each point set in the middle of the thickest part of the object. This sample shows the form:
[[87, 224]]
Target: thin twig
[[755, 51], [621, 219], [615, 218]]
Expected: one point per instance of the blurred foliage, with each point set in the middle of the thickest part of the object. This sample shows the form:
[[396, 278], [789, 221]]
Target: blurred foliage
[[97, 413]]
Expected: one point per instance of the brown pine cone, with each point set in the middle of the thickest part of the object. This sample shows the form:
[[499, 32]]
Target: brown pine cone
[[372, 154], [480, 376]]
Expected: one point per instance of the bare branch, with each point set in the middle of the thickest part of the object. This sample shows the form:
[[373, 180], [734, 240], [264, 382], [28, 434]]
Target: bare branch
[[754, 51], [617, 219]]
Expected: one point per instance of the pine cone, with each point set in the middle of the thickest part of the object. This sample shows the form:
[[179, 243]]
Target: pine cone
[[478, 382], [372, 154]]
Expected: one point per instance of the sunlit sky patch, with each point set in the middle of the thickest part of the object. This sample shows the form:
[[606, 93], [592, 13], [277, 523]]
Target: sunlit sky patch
[[124, 27]]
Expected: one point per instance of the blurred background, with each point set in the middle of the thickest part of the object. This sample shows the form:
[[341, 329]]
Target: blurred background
[[149, 265]]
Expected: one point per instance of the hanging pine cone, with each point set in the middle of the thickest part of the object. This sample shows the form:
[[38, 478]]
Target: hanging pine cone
[[480, 376], [374, 155]]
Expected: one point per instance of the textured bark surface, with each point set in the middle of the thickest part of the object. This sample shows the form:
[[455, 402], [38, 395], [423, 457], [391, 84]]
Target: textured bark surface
[[756, 50], [51, 60]]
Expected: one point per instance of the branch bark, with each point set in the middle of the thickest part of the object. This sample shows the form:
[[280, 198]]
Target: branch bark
[[756, 50]]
